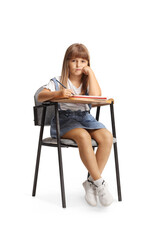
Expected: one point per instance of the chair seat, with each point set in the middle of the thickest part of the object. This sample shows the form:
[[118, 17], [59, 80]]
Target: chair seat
[[66, 142]]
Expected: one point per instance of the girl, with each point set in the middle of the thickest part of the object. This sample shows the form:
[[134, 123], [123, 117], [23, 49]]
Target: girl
[[77, 123]]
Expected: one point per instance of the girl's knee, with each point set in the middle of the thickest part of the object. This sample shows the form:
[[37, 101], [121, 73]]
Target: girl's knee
[[105, 137], [83, 136]]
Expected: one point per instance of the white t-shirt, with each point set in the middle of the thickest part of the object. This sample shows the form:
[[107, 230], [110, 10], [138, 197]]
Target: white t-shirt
[[77, 91]]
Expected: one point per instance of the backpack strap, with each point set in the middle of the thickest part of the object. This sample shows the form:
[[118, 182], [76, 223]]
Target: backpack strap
[[56, 88], [89, 105], [56, 83]]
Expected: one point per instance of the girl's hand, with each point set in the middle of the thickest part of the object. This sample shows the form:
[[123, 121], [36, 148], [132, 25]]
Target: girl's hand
[[86, 70], [66, 93]]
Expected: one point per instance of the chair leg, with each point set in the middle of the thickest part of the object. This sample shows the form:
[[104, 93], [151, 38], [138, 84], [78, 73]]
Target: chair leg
[[117, 172], [36, 171], [39, 152], [116, 154], [60, 157], [61, 176]]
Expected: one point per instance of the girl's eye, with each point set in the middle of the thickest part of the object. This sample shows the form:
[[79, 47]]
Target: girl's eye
[[83, 61], [73, 60]]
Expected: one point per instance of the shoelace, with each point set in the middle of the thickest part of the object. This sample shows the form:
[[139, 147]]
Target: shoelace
[[100, 189], [92, 185]]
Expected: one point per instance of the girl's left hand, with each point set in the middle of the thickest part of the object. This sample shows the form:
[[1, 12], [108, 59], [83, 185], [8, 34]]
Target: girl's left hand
[[86, 70]]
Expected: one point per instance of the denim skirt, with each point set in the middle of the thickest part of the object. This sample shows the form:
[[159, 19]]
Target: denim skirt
[[74, 119]]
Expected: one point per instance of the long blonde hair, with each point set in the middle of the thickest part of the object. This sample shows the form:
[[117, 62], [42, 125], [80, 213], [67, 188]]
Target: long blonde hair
[[75, 51]]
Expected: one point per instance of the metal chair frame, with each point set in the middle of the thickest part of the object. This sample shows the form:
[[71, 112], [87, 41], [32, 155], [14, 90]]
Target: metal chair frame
[[59, 145]]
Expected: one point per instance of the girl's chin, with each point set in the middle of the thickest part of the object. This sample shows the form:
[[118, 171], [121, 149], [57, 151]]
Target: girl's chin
[[78, 73]]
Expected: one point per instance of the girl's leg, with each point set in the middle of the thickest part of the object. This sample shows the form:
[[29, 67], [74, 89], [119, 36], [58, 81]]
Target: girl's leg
[[94, 164], [83, 140], [105, 140]]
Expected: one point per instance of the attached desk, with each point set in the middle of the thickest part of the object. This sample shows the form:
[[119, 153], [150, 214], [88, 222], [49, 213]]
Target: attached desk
[[94, 102]]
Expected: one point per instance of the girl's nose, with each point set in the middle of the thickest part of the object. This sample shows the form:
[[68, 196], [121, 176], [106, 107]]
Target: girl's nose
[[78, 63]]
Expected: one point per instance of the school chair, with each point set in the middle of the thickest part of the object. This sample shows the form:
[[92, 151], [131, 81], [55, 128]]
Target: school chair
[[43, 113]]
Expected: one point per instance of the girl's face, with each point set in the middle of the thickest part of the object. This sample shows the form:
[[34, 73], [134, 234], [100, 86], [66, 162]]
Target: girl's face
[[76, 65]]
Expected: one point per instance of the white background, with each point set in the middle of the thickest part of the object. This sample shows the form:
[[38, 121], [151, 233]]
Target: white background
[[123, 38]]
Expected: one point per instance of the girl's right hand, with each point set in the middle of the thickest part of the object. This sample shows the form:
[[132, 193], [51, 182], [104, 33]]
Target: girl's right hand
[[66, 93]]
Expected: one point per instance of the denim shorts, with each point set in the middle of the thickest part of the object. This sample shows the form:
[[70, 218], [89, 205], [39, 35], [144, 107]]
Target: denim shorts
[[74, 119]]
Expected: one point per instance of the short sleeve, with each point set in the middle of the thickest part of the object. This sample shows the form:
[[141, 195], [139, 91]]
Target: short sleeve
[[50, 86]]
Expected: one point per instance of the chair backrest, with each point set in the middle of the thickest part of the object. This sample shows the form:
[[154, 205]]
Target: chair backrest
[[38, 108]]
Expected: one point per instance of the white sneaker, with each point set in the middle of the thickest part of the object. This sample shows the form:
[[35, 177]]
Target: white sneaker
[[104, 195], [90, 190]]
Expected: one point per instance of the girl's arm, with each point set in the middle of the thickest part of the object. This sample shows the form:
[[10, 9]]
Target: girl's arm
[[48, 95], [94, 88]]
